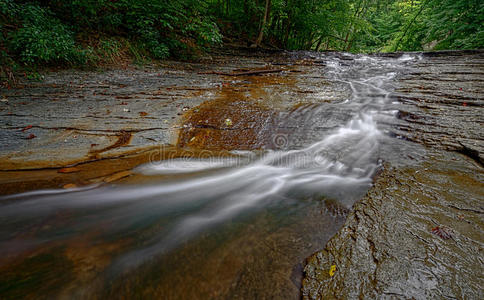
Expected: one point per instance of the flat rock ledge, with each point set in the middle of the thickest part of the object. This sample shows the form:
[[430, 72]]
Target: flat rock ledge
[[417, 234]]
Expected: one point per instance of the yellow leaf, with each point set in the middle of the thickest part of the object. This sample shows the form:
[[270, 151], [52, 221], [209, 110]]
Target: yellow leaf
[[332, 270]]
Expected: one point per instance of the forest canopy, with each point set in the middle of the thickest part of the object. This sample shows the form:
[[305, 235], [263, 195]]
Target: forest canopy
[[79, 32]]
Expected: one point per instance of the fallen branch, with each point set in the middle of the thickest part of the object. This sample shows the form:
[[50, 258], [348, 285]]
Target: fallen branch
[[248, 73]]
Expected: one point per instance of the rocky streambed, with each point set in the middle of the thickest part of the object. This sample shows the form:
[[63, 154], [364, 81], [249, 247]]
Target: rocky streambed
[[218, 178], [418, 233], [74, 118]]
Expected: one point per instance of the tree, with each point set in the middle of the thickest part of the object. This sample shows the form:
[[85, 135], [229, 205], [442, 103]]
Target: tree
[[264, 22]]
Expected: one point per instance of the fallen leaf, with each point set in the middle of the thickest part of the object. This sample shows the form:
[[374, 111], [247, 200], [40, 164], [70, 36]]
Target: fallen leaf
[[31, 136], [27, 128], [441, 232], [332, 270], [228, 122], [117, 176], [68, 170], [69, 186], [143, 113]]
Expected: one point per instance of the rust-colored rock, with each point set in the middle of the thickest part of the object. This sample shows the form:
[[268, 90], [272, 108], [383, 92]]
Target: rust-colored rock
[[69, 170]]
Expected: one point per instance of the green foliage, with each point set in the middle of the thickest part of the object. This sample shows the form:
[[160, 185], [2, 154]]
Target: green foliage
[[168, 27], [455, 24], [76, 32], [410, 25], [62, 31], [42, 38]]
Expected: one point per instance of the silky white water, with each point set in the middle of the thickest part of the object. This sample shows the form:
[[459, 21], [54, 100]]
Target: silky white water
[[340, 166]]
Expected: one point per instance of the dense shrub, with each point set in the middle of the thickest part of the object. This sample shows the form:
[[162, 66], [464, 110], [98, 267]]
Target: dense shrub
[[76, 32], [52, 32], [43, 39]]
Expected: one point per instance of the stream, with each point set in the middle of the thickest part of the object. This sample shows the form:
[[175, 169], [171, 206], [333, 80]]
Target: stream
[[232, 226]]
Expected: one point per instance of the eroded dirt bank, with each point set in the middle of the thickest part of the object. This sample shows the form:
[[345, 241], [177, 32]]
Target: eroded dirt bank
[[418, 233]]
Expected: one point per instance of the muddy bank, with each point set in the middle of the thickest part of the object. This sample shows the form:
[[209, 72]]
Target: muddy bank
[[418, 233]]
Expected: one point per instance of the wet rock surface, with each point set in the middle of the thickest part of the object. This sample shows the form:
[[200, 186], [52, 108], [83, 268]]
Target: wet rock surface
[[51, 251], [418, 233], [443, 103], [78, 117], [388, 246], [84, 116]]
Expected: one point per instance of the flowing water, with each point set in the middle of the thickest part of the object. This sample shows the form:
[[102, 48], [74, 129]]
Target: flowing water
[[235, 226]]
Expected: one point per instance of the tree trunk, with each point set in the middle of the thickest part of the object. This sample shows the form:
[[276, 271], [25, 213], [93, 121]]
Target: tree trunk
[[287, 31], [350, 44], [264, 22], [320, 40], [350, 28], [408, 26]]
